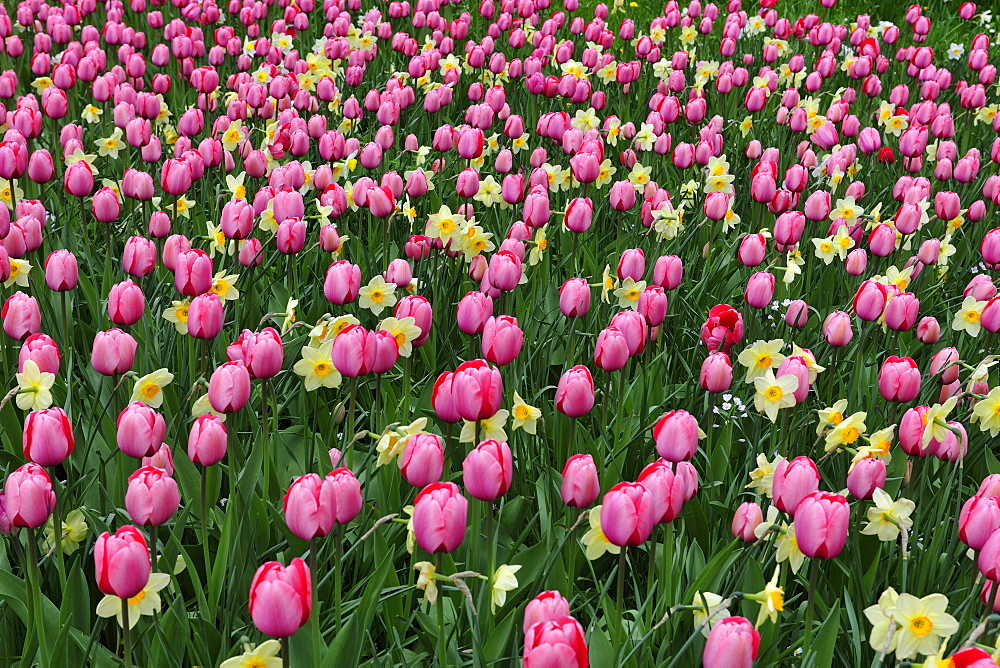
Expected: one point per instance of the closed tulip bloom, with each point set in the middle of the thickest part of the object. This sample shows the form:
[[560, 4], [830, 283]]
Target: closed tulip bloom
[[978, 520], [502, 340], [47, 438], [140, 430], [126, 303], [386, 350], [901, 312], [78, 179], [579, 215], [837, 329], [113, 352], [928, 330], [175, 177], [793, 480], [161, 459], [443, 398], [911, 431], [575, 392], [622, 196], [797, 314], [207, 440], [632, 264], [193, 272], [759, 290], [418, 308], [354, 351], [474, 309], [152, 496], [105, 205], [652, 305], [547, 606], [205, 316], [668, 271], [478, 390], [752, 250], [627, 514], [138, 258], [439, 517], [611, 349], [263, 353], [488, 470], [798, 367], [869, 301], [716, 373], [61, 271], [899, 379], [732, 643], [422, 461], [821, 521], [281, 598], [229, 387], [121, 562], [865, 477], [28, 497], [574, 298], [505, 270], [580, 485], [342, 283], [21, 316], [945, 366], [557, 642], [236, 220], [746, 519], [676, 434], [312, 505], [42, 350], [668, 489]]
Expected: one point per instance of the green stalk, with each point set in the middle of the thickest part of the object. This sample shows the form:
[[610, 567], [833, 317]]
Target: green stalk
[[314, 615], [126, 634], [204, 522], [36, 584], [338, 575], [442, 651], [810, 608]]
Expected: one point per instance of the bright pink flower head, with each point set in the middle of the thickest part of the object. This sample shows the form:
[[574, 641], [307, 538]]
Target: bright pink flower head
[[121, 562], [978, 520], [580, 486], [229, 387], [354, 351], [899, 379], [945, 366], [611, 349], [140, 430], [207, 440], [668, 271], [281, 598], [47, 438], [667, 488], [628, 514], [422, 461], [676, 434], [477, 389], [556, 642], [474, 309], [759, 290], [488, 470], [574, 298], [152, 496], [439, 517], [989, 556], [723, 329], [837, 329], [193, 272], [42, 350], [575, 392], [21, 316], [312, 505], [732, 643], [61, 271], [113, 352], [747, 518], [865, 477], [821, 521], [869, 301], [205, 316], [28, 496], [502, 340], [547, 606], [716, 373], [793, 480]]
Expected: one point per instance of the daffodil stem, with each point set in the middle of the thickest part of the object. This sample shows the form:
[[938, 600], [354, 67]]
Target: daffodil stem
[[441, 647], [810, 608], [36, 587], [126, 634]]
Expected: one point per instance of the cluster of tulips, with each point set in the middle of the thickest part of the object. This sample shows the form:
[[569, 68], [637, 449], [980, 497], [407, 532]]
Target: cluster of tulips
[[536, 283]]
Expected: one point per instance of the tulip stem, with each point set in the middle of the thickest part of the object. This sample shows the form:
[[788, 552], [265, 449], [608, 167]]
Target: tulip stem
[[621, 592], [314, 614], [152, 546], [204, 521], [651, 577], [36, 585], [57, 538], [810, 608], [338, 575], [126, 634], [285, 659], [441, 647]]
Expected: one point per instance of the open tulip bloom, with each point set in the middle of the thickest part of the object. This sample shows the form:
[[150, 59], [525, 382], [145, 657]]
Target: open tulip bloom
[[427, 332]]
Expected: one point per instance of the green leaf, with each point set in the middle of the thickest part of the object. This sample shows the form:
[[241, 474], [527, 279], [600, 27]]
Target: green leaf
[[602, 653], [826, 639]]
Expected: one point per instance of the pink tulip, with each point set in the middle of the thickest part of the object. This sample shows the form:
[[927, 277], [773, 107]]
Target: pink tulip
[[477, 389], [979, 519], [547, 606], [865, 477], [61, 271], [281, 598], [47, 438], [439, 517], [667, 489], [837, 329], [229, 387], [193, 272], [152, 496], [899, 379], [555, 642], [488, 470], [793, 481], [21, 316], [732, 643], [42, 350], [28, 496], [821, 521], [580, 486], [676, 434], [312, 505], [205, 316], [747, 518], [422, 461], [575, 392], [207, 440], [140, 430], [121, 562], [574, 298], [502, 340], [716, 373], [113, 352], [627, 514]]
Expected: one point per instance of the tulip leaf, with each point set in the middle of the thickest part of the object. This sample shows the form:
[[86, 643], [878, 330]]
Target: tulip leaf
[[346, 647], [826, 638], [602, 652]]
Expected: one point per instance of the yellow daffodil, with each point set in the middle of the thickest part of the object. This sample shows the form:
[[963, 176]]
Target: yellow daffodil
[[762, 477], [34, 387], [377, 295], [425, 580], [74, 531], [887, 517], [92, 114], [922, 623], [936, 419], [708, 611], [787, 548], [847, 432], [490, 428], [504, 580], [146, 602], [525, 416], [880, 617], [987, 412], [19, 272], [202, 406], [773, 394], [771, 599], [969, 317], [404, 330], [832, 416], [232, 136], [594, 540], [223, 284], [110, 146], [316, 367], [761, 357], [149, 388], [264, 655], [629, 292], [178, 314]]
